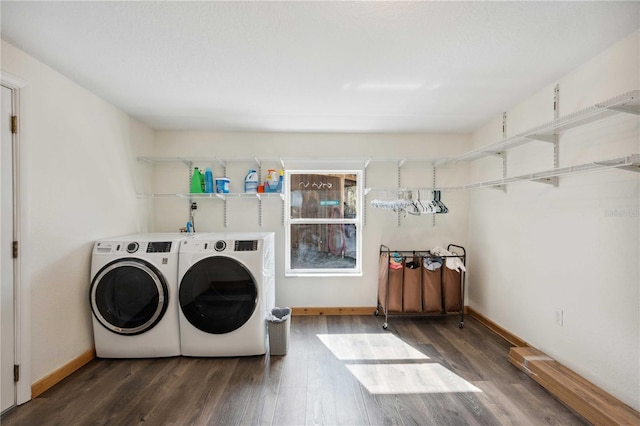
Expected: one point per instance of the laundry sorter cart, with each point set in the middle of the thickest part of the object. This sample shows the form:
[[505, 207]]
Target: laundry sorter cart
[[411, 284]]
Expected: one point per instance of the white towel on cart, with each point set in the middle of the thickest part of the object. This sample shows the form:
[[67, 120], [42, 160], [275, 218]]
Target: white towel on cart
[[454, 263]]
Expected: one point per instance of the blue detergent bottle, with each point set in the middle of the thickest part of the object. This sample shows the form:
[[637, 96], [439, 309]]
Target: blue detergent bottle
[[281, 182], [208, 181]]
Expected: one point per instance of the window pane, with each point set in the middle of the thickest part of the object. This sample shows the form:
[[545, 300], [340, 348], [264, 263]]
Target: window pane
[[323, 196], [323, 246]]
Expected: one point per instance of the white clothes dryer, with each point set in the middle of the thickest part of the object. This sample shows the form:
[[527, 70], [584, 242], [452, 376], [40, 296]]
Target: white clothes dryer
[[134, 296], [226, 291]]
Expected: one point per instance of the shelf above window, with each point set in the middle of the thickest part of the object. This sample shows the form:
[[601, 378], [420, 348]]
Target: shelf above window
[[629, 162], [627, 103], [288, 162]]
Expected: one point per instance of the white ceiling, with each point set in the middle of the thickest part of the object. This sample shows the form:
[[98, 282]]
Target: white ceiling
[[316, 66]]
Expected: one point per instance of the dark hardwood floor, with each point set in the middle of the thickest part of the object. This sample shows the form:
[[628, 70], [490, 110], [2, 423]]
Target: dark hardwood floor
[[340, 370]]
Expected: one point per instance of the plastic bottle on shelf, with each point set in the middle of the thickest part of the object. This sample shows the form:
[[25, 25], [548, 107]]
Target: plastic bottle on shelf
[[197, 181], [222, 185], [271, 182], [281, 182], [208, 181], [251, 182]]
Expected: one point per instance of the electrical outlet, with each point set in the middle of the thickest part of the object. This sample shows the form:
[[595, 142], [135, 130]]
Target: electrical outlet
[[558, 316]]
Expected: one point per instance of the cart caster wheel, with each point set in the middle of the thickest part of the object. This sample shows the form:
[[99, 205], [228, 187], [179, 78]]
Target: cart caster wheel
[[376, 313], [385, 325], [461, 325]]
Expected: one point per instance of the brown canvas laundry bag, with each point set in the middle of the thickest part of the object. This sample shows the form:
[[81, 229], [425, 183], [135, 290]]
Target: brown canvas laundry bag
[[452, 289], [432, 290], [412, 286], [395, 290], [394, 277], [383, 273]]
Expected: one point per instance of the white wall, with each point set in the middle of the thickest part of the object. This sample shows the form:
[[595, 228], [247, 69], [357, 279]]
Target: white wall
[[79, 179], [537, 249], [414, 233]]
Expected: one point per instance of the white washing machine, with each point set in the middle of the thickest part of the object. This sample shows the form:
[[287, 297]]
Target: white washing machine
[[134, 296], [226, 291]]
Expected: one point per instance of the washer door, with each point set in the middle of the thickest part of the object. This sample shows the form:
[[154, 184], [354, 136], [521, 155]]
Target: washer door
[[129, 296], [218, 295]]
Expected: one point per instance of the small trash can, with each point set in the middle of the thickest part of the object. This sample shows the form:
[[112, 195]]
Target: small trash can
[[279, 325]]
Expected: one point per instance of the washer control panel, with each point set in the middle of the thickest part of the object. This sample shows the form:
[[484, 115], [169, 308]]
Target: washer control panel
[[132, 247], [246, 245], [159, 247]]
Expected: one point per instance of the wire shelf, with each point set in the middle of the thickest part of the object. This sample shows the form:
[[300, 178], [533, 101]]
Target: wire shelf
[[626, 103]]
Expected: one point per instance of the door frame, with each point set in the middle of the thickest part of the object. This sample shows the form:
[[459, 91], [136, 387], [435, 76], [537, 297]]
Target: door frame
[[22, 311]]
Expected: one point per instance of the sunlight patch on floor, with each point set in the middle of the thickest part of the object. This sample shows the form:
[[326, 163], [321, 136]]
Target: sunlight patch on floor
[[364, 346], [409, 378]]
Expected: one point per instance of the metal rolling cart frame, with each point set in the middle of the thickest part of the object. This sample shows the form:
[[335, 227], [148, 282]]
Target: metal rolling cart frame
[[383, 283]]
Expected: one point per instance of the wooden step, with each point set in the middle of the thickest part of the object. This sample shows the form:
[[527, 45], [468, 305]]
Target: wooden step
[[585, 398]]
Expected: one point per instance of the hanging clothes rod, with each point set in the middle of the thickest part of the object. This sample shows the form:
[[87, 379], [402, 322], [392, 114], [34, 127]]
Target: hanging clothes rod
[[413, 203]]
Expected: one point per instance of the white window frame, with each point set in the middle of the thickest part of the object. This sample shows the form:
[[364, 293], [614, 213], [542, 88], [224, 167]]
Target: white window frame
[[357, 221]]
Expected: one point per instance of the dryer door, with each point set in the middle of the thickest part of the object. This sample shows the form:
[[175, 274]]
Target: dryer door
[[218, 295], [129, 296]]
